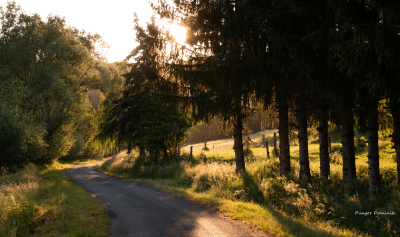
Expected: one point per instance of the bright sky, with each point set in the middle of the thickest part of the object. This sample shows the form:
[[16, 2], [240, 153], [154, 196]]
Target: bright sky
[[113, 20]]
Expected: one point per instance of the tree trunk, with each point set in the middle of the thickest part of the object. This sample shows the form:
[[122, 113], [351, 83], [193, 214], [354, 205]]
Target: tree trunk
[[349, 159], [302, 135], [323, 142], [284, 153], [396, 137], [373, 150], [238, 144]]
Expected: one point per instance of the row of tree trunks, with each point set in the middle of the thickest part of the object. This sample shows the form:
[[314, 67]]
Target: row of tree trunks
[[284, 154], [373, 150], [396, 136], [349, 160], [347, 123], [323, 142], [302, 135]]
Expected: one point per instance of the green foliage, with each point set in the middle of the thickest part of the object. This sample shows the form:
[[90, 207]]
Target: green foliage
[[45, 69], [275, 152], [360, 144], [21, 132], [42, 201], [248, 154], [21, 216], [142, 117], [336, 156], [156, 127]]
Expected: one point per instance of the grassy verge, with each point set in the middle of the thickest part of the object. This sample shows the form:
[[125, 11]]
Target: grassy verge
[[218, 186], [38, 201], [279, 206]]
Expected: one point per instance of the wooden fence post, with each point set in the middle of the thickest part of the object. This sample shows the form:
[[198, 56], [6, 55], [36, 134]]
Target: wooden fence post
[[274, 141], [263, 140], [266, 145], [205, 159], [191, 152]]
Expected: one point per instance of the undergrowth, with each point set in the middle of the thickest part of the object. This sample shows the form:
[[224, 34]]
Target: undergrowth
[[330, 205], [42, 201]]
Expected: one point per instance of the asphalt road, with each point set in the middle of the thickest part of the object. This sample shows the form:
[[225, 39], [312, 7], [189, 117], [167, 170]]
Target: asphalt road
[[137, 210]]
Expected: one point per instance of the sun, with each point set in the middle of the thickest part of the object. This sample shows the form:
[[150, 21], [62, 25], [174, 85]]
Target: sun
[[178, 32]]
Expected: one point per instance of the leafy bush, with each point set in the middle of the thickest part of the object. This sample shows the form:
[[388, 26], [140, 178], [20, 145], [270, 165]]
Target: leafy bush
[[21, 133], [360, 144], [248, 154]]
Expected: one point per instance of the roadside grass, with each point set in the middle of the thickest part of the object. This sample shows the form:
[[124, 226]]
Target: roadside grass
[[42, 201], [279, 206]]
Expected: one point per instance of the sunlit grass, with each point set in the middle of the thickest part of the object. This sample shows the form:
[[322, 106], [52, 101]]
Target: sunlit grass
[[227, 144], [39, 201], [280, 206]]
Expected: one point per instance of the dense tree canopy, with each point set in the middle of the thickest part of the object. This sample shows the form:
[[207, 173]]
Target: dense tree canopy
[[45, 68], [142, 117], [338, 52]]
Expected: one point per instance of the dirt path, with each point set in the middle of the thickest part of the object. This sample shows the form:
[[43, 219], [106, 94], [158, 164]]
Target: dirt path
[[137, 210]]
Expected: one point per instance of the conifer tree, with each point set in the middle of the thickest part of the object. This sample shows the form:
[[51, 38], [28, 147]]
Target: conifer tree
[[222, 67], [370, 54], [142, 116]]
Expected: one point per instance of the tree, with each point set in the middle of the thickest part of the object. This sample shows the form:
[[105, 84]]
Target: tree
[[54, 63], [222, 69], [142, 116], [21, 131], [366, 52]]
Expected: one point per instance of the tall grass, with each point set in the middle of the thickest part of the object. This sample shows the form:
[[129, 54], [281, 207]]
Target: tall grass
[[281, 206], [39, 201]]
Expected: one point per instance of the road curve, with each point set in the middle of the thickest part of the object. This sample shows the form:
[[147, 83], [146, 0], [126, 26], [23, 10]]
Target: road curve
[[137, 210]]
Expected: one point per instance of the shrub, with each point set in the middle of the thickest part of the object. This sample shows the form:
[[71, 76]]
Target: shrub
[[21, 133]]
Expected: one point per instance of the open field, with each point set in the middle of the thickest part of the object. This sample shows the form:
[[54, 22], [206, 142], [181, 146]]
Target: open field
[[228, 143], [260, 197]]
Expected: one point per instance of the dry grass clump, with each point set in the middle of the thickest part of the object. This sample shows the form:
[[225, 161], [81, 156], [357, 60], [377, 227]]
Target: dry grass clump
[[217, 176], [289, 205], [19, 184], [17, 211], [42, 201], [121, 162]]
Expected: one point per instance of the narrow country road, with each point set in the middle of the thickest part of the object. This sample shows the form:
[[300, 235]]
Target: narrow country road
[[137, 210]]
